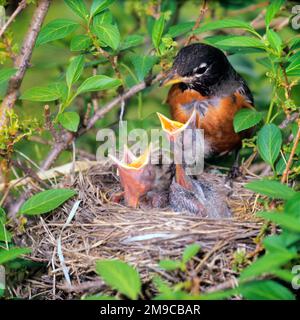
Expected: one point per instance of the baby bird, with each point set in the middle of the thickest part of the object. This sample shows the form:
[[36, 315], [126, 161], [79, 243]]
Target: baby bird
[[144, 184], [199, 197]]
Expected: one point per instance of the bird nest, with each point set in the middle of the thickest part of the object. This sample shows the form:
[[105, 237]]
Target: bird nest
[[104, 230]]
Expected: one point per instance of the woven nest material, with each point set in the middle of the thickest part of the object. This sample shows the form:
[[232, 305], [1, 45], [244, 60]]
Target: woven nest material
[[104, 230]]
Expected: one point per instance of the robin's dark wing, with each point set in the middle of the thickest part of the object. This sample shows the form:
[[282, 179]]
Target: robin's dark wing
[[244, 91]]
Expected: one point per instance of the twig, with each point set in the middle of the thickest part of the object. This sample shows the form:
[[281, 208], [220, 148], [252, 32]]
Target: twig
[[87, 114], [68, 137], [290, 161], [198, 21], [21, 6], [131, 92], [82, 287], [85, 154], [288, 120], [22, 61], [251, 8], [30, 173], [49, 123], [53, 173]]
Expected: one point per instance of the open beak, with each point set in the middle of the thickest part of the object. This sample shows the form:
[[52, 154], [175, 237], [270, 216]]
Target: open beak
[[131, 171], [174, 128], [172, 78]]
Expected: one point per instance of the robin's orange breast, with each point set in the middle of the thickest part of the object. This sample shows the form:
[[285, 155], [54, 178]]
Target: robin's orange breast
[[214, 115]]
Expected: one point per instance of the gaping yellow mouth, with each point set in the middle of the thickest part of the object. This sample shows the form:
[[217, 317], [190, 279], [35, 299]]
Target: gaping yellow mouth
[[130, 161], [169, 125], [140, 161], [174, 127]]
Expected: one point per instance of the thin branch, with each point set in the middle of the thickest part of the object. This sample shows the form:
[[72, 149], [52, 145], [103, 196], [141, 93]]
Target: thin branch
[[68, 137], [198, 21], [22, 61], [29, 173], [251, 8], [290, 161], [292, 117], [105, 109], [49, 124], [21, 6]]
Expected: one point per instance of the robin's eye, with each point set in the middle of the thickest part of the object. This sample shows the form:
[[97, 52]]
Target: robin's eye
[[201, 69]]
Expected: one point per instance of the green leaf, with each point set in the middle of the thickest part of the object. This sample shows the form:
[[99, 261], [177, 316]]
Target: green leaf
[[142, 65], [98, 82], [157, 31], [180, 29], [69, 120], [169, 265], [240, 41], [285, 275], [267, 263], [74, 70], [266, 62], [4, 234], [2, 216], [108, 34], [246, 118], [161, 285], [225, 23], [293, 68], [60, 89], [272, 10], [284, 220], [292, 206], [273, 189], [46, 201], [11, 254], [189, 252], [294, 43], [103, 17], [100, 5], [265, 290], [120, 276], [274, 40], [55, 30], [80, 42], [294, 57], [280, 166], [49, 93], [269, 142], [132, 41], [6, 73], [275, 243], [78, 7]]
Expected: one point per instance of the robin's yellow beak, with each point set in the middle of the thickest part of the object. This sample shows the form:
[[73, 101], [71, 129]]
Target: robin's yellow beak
[[172, 78]]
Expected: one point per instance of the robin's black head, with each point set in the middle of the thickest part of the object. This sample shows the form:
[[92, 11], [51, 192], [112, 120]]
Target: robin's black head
[[200, 67]]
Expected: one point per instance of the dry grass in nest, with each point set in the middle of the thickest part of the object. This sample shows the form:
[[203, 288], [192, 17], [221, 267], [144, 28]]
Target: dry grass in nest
[[104, 230]]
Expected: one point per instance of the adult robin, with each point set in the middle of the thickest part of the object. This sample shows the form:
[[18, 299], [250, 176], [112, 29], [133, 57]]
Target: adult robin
[[202, 78]]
